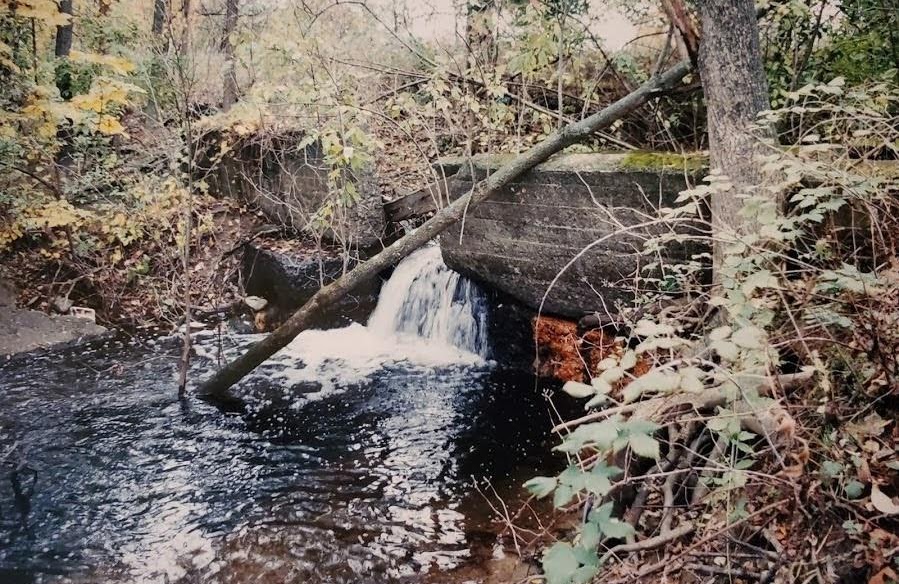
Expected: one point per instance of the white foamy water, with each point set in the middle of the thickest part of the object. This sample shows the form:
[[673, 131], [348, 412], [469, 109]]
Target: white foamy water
[[427, 317], [426, 299]]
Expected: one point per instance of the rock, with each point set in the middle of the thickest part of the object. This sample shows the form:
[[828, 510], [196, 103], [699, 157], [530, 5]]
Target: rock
[[22, 331], [84, 313], [256, 303], [287, 281], [61, 304]]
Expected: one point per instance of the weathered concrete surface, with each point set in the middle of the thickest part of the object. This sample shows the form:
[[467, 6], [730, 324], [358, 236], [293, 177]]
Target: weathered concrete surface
[[23, 330], [288, 281], [518, 240], [289, 185]]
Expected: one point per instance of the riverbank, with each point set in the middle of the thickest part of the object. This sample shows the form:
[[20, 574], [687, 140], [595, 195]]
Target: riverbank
[[23, 330]]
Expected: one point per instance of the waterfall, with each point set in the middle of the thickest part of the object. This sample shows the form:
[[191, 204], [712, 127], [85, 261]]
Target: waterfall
[[427, 317], [426, 299]]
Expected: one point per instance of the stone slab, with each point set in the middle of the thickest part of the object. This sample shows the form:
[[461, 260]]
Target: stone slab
[[563, 235], [23, 331]]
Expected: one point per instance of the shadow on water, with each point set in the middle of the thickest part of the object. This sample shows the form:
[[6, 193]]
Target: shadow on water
[[328, 475]]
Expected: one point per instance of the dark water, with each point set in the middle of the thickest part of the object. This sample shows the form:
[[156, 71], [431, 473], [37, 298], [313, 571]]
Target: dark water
[[120, 482]]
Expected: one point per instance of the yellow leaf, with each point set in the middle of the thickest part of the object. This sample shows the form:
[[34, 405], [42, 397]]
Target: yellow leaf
[[119, 65], [110, 126], [46, 11]]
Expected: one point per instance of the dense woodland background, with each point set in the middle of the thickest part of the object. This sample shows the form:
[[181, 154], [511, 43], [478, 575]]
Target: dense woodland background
[[768, 402]]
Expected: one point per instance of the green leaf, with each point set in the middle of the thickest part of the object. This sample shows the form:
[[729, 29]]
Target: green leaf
[[573, 476], [726, 350], [600, 386], [612, 375], [602, 434], [601, 514], [616, 529], [854, 489], [608, 471], [607, 363], [560, 564], [597, 400], [748, 337], [644, 445], [759, 280], [540, 487], [637, 426], [597, 484], [563, 495], [590, 536]]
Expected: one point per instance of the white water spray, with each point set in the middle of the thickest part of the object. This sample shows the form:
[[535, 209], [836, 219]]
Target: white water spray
[[427, 317], [426, 299]]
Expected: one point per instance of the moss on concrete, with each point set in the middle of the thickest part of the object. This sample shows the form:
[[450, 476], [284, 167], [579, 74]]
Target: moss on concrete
[[644, 160], [603, 161]]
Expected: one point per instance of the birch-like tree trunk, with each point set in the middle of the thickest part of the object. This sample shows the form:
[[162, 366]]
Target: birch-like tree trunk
[[229, 95], [160, 15], [733, 79]]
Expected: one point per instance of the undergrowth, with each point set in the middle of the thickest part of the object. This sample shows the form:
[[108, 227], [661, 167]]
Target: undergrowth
[[759, 445]]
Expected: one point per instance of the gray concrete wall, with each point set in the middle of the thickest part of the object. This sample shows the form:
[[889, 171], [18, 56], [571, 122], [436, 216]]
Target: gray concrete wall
[[289, 185], [518, 240]]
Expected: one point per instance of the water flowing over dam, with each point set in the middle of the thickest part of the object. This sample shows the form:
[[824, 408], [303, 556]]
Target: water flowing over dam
[[427, 299], [351, 462]]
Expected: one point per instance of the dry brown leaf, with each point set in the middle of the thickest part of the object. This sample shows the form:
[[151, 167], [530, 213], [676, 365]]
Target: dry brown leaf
[[882, 502], [884, 576]]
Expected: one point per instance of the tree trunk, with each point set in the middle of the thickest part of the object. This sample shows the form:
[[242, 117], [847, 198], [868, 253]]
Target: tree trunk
[[480, 35], [218, 384], [160, 16], [64, 33], [229, 95], [733, 79]]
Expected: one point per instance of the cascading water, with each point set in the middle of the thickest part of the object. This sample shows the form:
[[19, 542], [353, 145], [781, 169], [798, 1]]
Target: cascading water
[[426, 299], [350, 463], [427, 317]]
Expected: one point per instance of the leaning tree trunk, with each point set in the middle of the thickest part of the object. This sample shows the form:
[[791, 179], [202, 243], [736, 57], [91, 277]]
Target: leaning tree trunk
[[733, 79], [256, 354]]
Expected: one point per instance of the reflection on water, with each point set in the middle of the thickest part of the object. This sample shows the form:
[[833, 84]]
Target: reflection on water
[[368, 482]]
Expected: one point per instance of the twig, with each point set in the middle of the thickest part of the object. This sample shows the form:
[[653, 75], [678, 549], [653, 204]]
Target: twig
[[650, 543], [726, 571]]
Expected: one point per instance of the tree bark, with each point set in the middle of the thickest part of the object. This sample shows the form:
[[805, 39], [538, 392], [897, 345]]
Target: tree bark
[[64, 33], [229, 95], [733, 79], [217, 386], [480, 34], [160, 15]]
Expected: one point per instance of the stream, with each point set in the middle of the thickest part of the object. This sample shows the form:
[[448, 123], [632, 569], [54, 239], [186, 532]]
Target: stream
[[353, 460]]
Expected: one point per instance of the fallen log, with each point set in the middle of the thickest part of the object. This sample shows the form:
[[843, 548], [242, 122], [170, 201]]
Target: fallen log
[[218, 385]]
